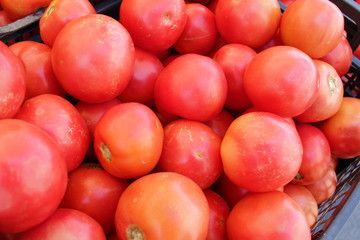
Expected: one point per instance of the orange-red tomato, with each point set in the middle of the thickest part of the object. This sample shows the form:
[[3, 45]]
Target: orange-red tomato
[[324, 188], [19, 8]]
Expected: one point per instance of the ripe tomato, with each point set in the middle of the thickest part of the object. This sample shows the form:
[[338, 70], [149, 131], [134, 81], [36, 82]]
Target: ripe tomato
[[154, 25], [192, 149], [252, 23], [58, 14], [66, 224], [40, 77], [162, 205], [12, 82], [221, 122], [5, 18], [19, 8], [189, 83], [261, 151], [128, 140], [270, 215], [200, 33], [140, 88], [93, 57], [95, 192], [324, 188], [313, 26], [60, 119], [33, 176], [294, 81]]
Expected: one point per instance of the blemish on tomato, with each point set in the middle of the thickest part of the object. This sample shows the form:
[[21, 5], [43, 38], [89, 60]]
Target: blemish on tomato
[[133, 232], [50, 10], [332, 83], [106, 152]]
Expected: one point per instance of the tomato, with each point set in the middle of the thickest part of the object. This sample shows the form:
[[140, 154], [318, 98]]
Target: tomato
[[287, 2], [219, 211], [33, 176], [305, 199], [343, 129], [192, 149], [212, 5], [12, 82], [40, 77], [140, 88], [270, 215], [313, 26], [331, 92], [66, 224], [128, 140], [200, 33], [261, 151], [95, 192], [252, 23], [58, 14], [221, 122], [324, 188], [274, 41], [162, 205], [233, 58], [294, 81], [17, 9], [60, 119], [334, 162], [253, 109], [93, 57], [5, 18], [154, 25], [189, 83]]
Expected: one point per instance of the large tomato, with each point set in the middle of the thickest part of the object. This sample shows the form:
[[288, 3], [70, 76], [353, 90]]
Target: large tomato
[[20, 8], [261, 151], [313, 26], [154, 25], [93, 57], [324, 188], [162, 205], [33, 176], [282, 80]]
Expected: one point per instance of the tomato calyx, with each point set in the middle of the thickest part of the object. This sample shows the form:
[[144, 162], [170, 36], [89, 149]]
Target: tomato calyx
[[106, 152], [133, 232], [299, 177]]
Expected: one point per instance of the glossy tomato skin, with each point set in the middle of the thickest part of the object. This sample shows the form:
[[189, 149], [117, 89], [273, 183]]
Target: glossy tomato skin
[[294, 81], [93, 57], [221, 122], [5, 18], [324, 188], [154, 25], [192, 149], [95, 192], [66, 224], [261, 151], [128, 140], [163, 205], [189, 83], [237, 21], [40, 77], [33, 176], [58, 14], [270, 215], [313, 26], [12, 82], [60, 119], [18, 8]]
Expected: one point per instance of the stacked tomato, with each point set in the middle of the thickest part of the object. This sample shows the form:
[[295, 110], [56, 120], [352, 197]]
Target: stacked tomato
[[180, 120]]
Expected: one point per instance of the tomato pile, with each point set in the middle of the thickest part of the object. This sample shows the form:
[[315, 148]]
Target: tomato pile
[[209, 119]]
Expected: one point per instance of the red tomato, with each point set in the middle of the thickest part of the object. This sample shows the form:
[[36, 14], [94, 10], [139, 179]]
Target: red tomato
[[33, 176], [60, 119], [270, 215], [324, 188], [219, 211], [140, 88], [93, 57], [19, 8], [200, 33], [66, 224], [40, 77], [261, 151], [128, 140], [221, 122], [233, 58], [343, 129], [5, 18], [287, 2], [329, 98], [95, 192], [252, 23], [334, 162], [189, 83], [253, 109], [294, 81], [313, 26], [154, 25], [58, 14], [162, 205], [192, 149], [274, 41], [12, 82], [305, 199]]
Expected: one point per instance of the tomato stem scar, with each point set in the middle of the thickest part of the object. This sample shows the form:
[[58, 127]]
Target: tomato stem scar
[[106, 152], [133, 232]]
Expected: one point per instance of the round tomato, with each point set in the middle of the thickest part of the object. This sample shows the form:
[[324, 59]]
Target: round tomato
[[93, 57], [5, 18], [221, 122], [33, 176], [19, 8], [162, 205], [324, 188]]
